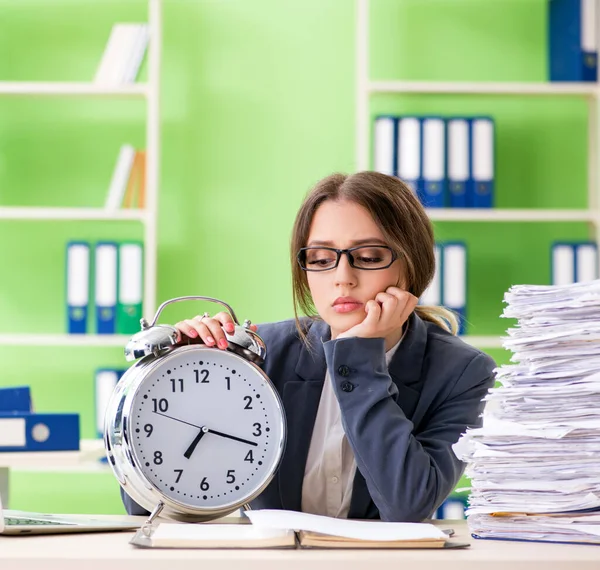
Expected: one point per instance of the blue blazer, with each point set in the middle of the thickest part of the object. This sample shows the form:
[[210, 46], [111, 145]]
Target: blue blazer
[[400, 421]]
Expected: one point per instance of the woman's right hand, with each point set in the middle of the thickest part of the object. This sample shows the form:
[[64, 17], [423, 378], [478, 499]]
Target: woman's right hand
[[210, 329]]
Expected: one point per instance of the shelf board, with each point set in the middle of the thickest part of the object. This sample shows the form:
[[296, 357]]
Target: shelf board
[[71, 89], [87, 459], [23, 339], [510, 215], [484, 88], [34, 213], [121, 340], [483, 341]]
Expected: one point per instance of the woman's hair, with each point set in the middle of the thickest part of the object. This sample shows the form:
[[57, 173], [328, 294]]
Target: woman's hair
[[403, 222]]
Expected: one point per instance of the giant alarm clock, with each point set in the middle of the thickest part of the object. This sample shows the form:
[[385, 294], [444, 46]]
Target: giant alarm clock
[[192, 431]]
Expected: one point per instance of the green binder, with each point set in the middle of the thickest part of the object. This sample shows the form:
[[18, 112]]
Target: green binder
[[131, 285]]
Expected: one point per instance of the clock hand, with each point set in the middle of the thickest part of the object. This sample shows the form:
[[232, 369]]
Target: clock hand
[[178, 420], [231, 437], [208, 430], [190, 449]]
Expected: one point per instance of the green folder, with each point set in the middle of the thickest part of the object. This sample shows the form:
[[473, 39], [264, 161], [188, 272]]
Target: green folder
[[131, 285]]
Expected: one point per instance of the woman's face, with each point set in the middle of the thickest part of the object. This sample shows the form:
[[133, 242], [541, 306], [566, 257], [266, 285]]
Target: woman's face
[[340, 294]]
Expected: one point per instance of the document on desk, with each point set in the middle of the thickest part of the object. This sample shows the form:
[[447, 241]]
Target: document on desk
[[289, 529], [535, 462]]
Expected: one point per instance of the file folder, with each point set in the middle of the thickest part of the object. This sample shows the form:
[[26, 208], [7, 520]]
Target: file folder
[[586, 262], [15, 399], [459, 166], [106, 259], [432, 296], [453, 508], [409, 152], [28, 431], [563, 264], [454, 280], [129, 304], [481, 188], [78, 275], [105, 381], [432, 190], [572, 40], [384, 147]]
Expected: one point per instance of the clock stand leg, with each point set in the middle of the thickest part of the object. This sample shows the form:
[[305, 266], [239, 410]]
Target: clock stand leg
[[147, 526]]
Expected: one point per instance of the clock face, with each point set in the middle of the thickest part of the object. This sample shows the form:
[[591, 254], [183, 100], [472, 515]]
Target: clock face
[[207, 429]]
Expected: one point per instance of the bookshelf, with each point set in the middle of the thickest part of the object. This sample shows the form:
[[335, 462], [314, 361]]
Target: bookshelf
[[148, 92], [590, 92], [72, 89]]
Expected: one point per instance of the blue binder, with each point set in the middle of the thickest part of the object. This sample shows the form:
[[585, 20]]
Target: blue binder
[[562, 263], [15, 399], [586, 261], [458, 147], [385, 157], [432, 183], [572, 43], [432, 296], [27, 431], [452, 508], [408, 148], [454, 280], [104, 384], [78, 283], [105, 280], [480, 188]]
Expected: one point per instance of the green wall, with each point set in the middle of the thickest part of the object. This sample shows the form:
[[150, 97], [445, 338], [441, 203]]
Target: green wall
[[257, 104]]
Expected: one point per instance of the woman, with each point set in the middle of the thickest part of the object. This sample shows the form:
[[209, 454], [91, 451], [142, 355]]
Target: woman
[[376, 388]]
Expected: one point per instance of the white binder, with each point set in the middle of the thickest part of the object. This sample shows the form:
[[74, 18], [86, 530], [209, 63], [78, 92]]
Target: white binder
[[563, 264], [384, 159], [409, 151], [433, 294], [586, 262]]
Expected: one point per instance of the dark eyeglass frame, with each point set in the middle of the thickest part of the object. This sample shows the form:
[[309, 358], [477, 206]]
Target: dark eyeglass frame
[[348, 253]]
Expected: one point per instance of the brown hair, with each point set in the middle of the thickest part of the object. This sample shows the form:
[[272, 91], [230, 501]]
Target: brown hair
[[403, 222]]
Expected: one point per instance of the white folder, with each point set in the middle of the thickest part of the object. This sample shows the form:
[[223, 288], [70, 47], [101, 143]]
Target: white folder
[[586, 262], [483, 150], [78, 285], [384, 145], [433, 294], [454, 269], [563, 264], [106, 380], [409, 150]]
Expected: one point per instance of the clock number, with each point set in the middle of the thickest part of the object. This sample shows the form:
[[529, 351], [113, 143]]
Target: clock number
[[158, 458], [248, 400], [228, 382], [258, 429], [203, 373], [148, 429], [160, 405], [204, 485], [179, 474], [174, 384], [249, 457], [231, 476]]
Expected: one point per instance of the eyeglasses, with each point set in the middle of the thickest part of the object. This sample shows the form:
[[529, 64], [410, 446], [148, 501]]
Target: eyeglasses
[[369, 257]]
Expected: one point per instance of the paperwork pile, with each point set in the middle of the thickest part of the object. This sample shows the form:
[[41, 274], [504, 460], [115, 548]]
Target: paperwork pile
[[535, 463]]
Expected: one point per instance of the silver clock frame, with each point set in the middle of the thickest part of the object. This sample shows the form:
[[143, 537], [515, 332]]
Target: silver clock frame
[[118, 439]]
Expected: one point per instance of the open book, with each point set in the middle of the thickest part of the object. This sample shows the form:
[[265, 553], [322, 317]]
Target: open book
[[290, 529]]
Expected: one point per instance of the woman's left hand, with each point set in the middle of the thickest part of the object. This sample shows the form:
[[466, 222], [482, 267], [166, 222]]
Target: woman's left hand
[[385, 314]]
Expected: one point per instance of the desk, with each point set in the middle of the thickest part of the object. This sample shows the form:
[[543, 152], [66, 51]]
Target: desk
[[84, 460], [104, 551]]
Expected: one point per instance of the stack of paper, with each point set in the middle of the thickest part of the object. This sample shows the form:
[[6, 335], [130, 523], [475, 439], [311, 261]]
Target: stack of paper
[[535, 463]]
